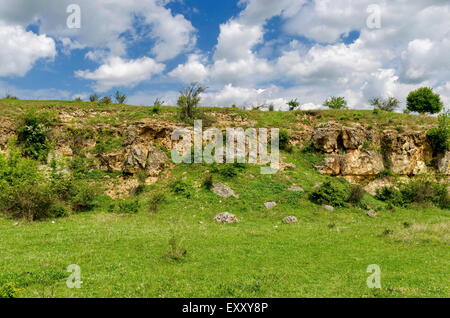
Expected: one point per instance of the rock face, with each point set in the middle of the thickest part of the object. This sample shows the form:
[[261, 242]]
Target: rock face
[[226, 218], [290, 220], [150, 159], [223, 190]]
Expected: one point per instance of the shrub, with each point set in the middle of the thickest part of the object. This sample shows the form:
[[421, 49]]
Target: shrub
[[78, 100], [9, 96], [227, 171], [8, 290], [106, 100], [424, 101], [121, 98], [176, 251], [390, 195], [155, 201], [284, 140], [336, 103], [331, 193], [94, 98], [389, 104], [426, 192], [188, 101], [271, 108], [32, 133], [125, 206], [181, 188], [293, 104], [83, 196], [356, 194], [208, 182], [439, 137], [157, 104]]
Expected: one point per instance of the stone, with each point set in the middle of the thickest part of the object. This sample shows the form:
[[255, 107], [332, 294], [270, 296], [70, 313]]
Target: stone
[[328, 208], [148, 158], [443, 163], [296, 189], [290, 220], [270, 205], [371, 214], [226, 218], [223, 190]]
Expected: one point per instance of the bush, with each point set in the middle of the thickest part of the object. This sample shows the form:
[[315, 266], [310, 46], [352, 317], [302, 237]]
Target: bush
[[94, 98], [208, 182], [9, 96], [188, 101], [32, 133], [106, 100], [389, 104], [424, 101], [336, 103], [293, 104], [390, 195], [426, 192], [227, 170], [155, 201], [356, 194], [157, 104], [176, 251], [120, 97], [439, 137], [181, 188], [83, 196], [331, 193], [125, 206], [78, 100], [8, 290], [284, 140]]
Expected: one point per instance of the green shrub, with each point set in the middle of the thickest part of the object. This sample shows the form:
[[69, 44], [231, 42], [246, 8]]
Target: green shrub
[[389, 104], [424, 101], [356, 194], [293, 104], [208, 182], [426, 192], [83, 196], [32, 133], [121, 98], [94, 98], [181, 188], [188, 101], [177, 251], [284, 140], [226, 170], [390, 195], [106, 100], [8, 290], [336, 103], [331, 193], [439, 137], [155, 201], [125, 206]]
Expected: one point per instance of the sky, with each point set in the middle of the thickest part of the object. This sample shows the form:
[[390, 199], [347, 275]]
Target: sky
[[247, 52]]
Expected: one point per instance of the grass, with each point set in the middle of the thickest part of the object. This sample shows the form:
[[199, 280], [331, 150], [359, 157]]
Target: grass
[[325, 255]]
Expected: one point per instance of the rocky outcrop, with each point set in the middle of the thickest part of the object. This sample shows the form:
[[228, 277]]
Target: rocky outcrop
[[147, 158]]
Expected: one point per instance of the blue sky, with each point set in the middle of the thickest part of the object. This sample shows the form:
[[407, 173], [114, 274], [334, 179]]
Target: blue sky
[[247, 52]]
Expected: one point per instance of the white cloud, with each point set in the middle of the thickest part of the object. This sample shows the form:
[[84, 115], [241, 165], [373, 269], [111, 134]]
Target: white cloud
[[19, 50], [192, 71], [117, 72]]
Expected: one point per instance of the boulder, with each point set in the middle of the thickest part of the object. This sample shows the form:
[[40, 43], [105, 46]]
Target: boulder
[[296, 189], [328, 208], [223, 190], [371, 214], [270, 205], [226, 218], [290, 220]]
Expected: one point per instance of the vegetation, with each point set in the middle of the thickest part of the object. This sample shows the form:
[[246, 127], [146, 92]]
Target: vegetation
[[121, 98], [293, 104], [106, 100], [424, 100], [94, 98], [439, 137], [336, 103], [389, 104], [331, 193], [188, 102]]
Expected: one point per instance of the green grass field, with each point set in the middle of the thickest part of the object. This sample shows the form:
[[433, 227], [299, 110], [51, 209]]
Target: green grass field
[[325, 255]]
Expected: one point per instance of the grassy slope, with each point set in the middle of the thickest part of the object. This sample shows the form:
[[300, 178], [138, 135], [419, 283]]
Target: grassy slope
[[326, 254]]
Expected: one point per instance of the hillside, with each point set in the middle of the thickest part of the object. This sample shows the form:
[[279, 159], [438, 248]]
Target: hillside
[[150, 232]]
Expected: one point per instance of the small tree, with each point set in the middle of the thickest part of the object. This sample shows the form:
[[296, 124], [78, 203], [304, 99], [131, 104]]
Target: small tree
[[336, 103], [78, 100], [439, 137], [94, 98], [120, 97], [188, 101], [389, 104], [424, 101], [106, 100], [293, 104]]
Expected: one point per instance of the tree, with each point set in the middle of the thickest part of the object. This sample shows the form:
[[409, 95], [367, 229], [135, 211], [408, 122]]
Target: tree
[[439, 137], [389, 104], [424, 101], [94, 98], [120, 97], [293, 104], [336, 103], [188, 101]]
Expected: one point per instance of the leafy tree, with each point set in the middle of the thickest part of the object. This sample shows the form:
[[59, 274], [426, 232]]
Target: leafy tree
[[439, 137], [336, 103], [389, 104], [121, 98], [293, 104], [188, 101], [424, 101]]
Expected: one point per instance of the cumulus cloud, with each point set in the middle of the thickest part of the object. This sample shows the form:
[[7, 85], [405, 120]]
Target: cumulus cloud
[[117, 72], [20, 49], [192, 71]]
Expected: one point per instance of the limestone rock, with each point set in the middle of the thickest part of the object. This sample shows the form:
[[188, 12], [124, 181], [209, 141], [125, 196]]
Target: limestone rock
[[296, 189], [328, 208], [290, 220], [371, 214], [443, 163], [226, 218], [270, 205], [223, 190]]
